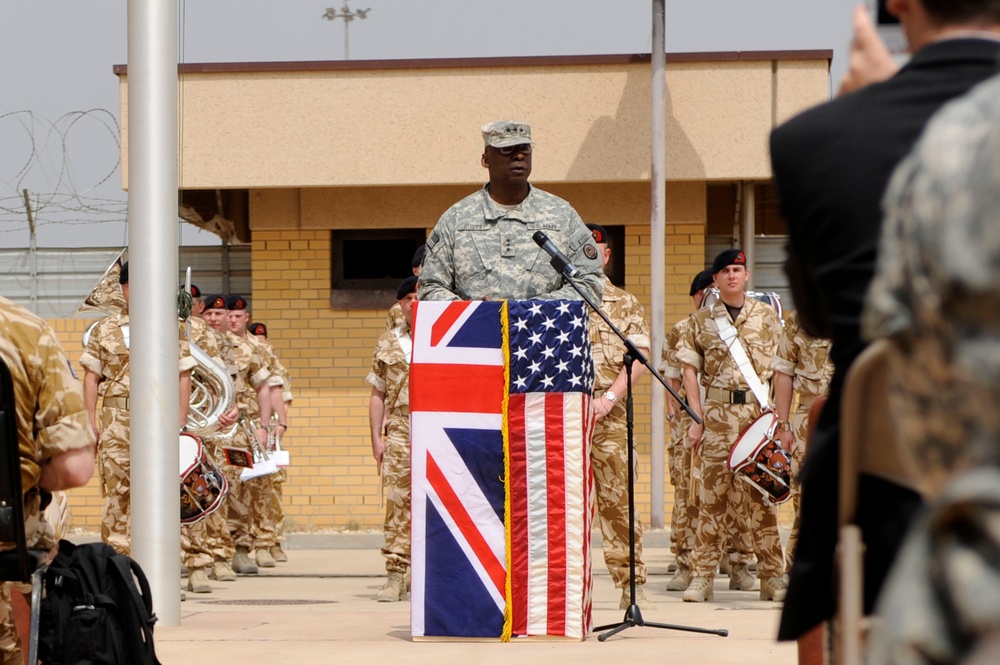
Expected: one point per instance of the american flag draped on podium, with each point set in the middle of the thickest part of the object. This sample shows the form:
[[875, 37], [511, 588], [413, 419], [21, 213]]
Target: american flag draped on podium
[[500, 390]]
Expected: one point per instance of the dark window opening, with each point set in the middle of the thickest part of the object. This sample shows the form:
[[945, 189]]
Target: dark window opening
[[368, 265], [615, 270]]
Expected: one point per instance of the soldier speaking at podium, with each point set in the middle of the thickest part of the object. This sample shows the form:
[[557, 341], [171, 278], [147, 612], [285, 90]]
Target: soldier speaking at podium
[[482, 247]]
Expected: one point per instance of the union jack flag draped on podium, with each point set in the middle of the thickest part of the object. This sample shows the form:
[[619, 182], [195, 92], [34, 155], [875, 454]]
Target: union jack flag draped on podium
[[500, 390]]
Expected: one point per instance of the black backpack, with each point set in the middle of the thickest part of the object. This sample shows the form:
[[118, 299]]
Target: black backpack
[[93, 613]]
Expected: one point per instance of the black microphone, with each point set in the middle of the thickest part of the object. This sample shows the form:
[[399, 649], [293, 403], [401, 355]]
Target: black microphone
[[559, 260]]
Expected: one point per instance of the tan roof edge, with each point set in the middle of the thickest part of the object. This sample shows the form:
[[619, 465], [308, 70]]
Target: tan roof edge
[[520, 61]]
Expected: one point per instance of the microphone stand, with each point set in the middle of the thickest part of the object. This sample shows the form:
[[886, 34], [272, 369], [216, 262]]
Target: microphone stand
[[633, 615]]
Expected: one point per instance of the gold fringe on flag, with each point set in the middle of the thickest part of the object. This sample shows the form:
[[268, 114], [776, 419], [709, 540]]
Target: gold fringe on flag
[[508, 612]]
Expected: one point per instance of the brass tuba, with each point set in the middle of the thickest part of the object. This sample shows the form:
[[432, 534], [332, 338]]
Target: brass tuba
[[212, 393], [106, 296], [212, 389]]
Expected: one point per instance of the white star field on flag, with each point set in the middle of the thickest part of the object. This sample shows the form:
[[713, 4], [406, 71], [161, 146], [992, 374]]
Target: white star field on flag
[[549, 347]]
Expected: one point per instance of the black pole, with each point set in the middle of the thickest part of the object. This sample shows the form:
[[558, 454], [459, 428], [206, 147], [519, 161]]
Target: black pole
[[633, 615]]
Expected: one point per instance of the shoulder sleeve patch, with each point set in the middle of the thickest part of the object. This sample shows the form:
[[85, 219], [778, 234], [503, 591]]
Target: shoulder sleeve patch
[[590, 251]]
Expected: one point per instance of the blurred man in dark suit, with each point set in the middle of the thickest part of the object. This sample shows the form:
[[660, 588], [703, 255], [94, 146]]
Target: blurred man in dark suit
[[831, 165]]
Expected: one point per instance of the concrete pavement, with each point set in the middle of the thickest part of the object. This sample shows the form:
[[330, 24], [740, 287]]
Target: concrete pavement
[[319, 608]]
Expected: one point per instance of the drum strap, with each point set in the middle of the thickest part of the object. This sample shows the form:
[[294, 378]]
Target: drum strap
[[732, 341], [405, 343]]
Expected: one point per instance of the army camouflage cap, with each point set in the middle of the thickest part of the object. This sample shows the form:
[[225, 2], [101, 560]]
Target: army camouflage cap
[[505, 133]]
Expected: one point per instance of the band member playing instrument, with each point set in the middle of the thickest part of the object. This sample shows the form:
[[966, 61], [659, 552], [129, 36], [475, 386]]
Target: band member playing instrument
[[206, 546], [253, 399], [257, 531], [731, 404], [106, 365], [279, 427]]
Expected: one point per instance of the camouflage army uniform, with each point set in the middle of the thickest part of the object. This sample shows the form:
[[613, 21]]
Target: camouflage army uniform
[[805, 359], [701, 347], [275, 508], [208, 540], [107, 356], [390, 374], [609, 449], [395, 317], [935, 294], [51, 419], [684, 514], [248, 522], [737, 545], [478, 250]]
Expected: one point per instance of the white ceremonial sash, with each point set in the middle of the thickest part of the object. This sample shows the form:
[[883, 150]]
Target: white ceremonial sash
[[732, 341], [405, 343]]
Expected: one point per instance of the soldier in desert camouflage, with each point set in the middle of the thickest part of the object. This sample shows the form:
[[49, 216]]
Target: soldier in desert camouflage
[[255, 530], [482, 246], [389, 419], [802, 372], [106, 365], [609, 450], [684, 514], [728, 408], [55, 441]]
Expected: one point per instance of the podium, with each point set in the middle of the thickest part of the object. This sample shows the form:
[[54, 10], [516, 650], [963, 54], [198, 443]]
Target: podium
[[501, 489]]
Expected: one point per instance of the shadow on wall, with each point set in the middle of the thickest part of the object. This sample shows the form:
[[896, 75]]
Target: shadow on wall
[[596, 161]]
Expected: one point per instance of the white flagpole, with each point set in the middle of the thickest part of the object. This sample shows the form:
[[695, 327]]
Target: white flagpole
[[152, 232], [658, 174]]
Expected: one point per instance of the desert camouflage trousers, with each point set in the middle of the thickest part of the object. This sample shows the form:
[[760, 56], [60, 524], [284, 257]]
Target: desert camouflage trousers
[[720, 492], [207, 540], [10, 643], [114, 464], [247, 504], [800, 430], [396, 485], [684, 514], [609, 461], [249, 517], [277, 505], [737, 545]]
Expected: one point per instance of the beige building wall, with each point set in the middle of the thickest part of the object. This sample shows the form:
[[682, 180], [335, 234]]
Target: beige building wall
[[323, 146], [363, 124]]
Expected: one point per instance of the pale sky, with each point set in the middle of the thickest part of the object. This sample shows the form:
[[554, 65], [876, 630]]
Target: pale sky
[[59, 101]]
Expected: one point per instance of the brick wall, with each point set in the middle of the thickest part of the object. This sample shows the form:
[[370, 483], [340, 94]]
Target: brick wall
[[332, 482]]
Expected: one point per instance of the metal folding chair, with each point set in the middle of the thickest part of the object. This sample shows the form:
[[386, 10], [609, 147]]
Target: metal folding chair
[[868, 445]]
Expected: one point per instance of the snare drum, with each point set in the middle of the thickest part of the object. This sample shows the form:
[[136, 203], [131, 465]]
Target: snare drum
[[758, 459], [203, 485]]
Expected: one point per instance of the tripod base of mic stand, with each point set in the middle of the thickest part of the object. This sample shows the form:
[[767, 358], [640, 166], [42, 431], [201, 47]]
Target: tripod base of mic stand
[[633, 617]]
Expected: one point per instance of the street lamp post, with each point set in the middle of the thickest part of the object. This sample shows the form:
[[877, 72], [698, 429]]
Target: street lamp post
[[347, 15]]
